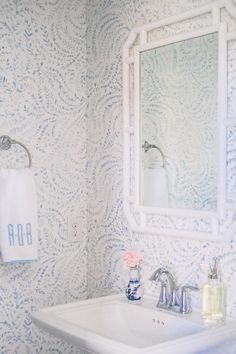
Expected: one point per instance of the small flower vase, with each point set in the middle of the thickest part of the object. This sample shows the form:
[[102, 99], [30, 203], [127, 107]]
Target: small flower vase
[[133, 289]]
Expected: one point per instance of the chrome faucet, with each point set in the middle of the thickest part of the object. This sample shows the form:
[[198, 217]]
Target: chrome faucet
[[168, 295], [169, 298]]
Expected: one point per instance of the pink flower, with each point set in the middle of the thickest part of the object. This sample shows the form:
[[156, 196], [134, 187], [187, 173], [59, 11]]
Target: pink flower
[[132, 259]]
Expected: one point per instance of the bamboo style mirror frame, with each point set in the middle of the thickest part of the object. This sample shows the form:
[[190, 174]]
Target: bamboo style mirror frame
[[219, 223]]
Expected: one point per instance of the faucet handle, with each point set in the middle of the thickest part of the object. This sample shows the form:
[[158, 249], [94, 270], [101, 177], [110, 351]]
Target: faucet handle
[[185, 305]]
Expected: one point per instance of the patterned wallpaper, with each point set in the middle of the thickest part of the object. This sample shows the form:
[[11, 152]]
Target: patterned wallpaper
[[42, 104], [43, 95], [109, 24]]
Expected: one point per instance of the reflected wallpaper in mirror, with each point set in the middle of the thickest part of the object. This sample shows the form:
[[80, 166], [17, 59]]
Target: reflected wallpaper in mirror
[[179, 121]]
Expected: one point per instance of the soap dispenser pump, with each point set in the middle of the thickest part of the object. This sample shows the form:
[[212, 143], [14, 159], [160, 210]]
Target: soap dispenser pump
[[213, 296]]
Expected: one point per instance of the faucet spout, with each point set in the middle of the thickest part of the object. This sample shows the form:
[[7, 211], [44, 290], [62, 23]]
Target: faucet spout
[[156, 275]]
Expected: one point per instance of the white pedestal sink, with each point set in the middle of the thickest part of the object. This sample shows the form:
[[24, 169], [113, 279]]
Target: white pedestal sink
[[111, 325]]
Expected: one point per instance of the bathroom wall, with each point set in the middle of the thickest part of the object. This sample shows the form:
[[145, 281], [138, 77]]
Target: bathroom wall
[[109, 23], [42, 104], [43, 95]]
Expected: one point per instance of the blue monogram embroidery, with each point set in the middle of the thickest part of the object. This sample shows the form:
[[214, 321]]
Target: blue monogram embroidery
[[11, 235], [20, 234], [28, 233]]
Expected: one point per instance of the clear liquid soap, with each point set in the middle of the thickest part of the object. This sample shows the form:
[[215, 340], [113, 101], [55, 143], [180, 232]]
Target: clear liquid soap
[[213, 296]]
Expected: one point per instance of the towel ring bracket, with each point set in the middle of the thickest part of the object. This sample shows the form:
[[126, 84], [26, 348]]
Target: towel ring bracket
[[6, 142]]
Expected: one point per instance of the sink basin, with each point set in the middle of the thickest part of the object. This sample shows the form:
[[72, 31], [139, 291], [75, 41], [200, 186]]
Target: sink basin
[[112, 325]]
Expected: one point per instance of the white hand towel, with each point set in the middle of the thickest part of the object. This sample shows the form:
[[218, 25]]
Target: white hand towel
[[155, 188], [18, 215]]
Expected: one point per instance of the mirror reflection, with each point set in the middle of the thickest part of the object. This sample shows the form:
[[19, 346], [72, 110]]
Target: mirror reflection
[[178, 128]]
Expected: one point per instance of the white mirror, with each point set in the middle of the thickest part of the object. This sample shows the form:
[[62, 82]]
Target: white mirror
[[179, 125], [178, 130]]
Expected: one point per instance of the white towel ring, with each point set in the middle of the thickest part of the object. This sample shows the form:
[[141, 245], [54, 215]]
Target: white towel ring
[[6, 143]]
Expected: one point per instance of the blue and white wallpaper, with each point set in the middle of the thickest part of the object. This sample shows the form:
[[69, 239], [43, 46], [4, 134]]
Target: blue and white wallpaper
[[109, 24], [61, 95], [42, 104]]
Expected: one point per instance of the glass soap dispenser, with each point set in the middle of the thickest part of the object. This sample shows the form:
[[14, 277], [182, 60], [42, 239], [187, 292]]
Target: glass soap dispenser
[[213, 296]]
